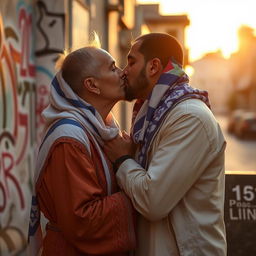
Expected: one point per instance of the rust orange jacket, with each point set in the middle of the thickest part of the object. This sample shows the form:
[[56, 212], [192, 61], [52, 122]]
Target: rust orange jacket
[[72, 194]]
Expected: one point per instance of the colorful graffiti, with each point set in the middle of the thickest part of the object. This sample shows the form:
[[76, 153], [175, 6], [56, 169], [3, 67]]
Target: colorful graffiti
[[26, 70], [49, 23], [50, 43], [17, 76]]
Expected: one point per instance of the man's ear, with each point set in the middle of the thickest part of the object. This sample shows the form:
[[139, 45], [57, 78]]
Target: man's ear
[[91, 85], [154, 67]]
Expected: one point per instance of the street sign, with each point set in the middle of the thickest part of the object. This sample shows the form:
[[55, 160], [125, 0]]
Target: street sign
[[240, 213]]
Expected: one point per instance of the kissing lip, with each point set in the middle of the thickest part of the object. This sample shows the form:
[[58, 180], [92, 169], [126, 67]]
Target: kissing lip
[[125, 82]]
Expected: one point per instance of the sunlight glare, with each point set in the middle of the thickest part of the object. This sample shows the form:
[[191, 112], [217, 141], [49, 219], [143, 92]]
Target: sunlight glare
[[213, 24], [189, 70]]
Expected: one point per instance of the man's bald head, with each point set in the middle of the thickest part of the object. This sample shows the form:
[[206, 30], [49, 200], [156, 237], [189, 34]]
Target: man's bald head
[[79, 65]]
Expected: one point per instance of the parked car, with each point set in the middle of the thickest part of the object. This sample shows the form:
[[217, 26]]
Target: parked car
[[246, 125], [233, 120]]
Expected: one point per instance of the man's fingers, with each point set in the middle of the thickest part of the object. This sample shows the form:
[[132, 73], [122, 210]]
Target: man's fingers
[[125, 135]]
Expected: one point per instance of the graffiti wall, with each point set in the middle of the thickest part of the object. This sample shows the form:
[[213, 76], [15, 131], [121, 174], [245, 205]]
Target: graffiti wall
[[50, 42], [31, 37]]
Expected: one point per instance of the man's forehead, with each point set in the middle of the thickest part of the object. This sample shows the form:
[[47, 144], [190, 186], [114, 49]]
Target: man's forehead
[[104, 56], [134, 51]]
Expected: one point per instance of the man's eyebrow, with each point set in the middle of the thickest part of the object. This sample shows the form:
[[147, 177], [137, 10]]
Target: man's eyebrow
[[130, 57]]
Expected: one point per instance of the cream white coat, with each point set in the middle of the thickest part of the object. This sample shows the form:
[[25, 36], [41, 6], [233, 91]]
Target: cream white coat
[[180, 197]]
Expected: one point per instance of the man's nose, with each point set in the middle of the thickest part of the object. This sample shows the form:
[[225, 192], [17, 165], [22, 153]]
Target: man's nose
[[124, 73]]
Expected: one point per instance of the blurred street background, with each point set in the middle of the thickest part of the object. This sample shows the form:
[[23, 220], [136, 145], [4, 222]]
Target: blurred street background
[[240, 154]]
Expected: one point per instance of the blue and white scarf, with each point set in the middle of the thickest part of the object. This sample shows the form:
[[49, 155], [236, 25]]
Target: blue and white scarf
[[171, 88], [68, 116]]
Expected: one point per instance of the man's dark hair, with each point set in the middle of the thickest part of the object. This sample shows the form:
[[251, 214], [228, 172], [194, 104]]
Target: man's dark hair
[[162, 46]]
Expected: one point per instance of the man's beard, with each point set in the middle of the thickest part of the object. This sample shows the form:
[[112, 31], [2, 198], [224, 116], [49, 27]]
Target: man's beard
[[140, 84]]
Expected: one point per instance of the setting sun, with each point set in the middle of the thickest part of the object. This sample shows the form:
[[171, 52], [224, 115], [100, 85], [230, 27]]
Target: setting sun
[[213, 24]]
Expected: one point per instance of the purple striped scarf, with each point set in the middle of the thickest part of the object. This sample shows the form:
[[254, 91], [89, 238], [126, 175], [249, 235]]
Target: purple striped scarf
[[171, 89]]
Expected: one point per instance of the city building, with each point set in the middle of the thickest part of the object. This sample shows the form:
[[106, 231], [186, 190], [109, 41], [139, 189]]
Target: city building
[[213, 74], [243, 64]]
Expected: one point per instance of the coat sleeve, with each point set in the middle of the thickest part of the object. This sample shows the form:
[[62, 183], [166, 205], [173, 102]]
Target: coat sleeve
[[93, 222], [179, 158]]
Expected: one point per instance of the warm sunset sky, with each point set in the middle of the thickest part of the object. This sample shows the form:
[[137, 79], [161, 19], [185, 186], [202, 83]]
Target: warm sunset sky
[[213, 23]]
